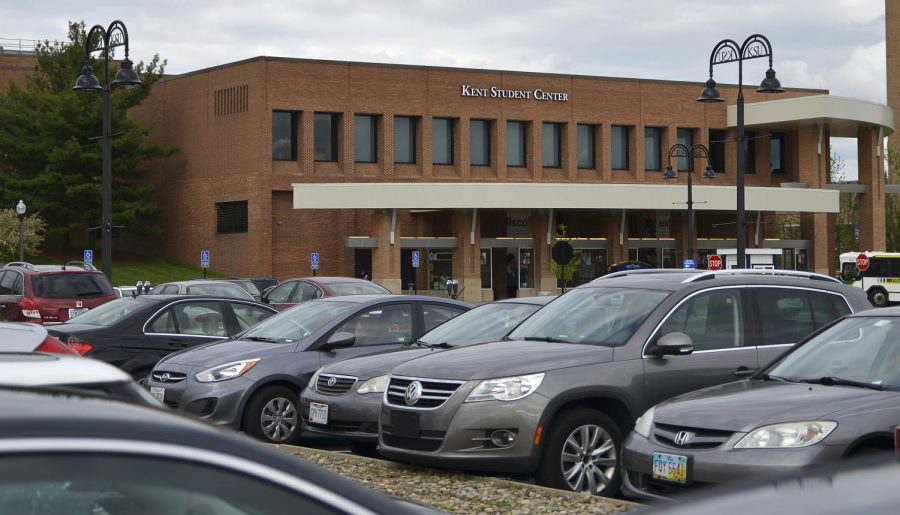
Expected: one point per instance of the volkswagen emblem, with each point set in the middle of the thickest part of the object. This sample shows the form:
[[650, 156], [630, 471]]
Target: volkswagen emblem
[[684, 437], [164, 378], [332, 381], [413, 393]]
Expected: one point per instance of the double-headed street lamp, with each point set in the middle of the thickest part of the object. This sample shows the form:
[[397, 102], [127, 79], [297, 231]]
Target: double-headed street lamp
[[104, 40], [728, 51], [20, 210], [681, 150]]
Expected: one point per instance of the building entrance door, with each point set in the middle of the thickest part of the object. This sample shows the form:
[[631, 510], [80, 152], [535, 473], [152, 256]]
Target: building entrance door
[[362, 263]]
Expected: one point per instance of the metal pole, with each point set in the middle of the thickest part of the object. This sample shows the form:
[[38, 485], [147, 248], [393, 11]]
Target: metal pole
[[106, 226], [21, 237], [690, 213], [741, 226]]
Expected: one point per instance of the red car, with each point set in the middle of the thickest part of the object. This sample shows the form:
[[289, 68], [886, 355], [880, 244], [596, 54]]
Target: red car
[[50, 293], [294, 291]]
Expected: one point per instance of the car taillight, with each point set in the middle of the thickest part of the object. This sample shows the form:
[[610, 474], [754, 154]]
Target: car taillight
[[80, 346], [55, 346], [29, 309]]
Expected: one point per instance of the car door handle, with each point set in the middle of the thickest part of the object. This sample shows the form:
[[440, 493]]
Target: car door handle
[[744, 372]]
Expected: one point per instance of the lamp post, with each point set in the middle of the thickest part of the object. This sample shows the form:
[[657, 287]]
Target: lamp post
[[20, 210], [697, 150], [728, 51], [104, 40]]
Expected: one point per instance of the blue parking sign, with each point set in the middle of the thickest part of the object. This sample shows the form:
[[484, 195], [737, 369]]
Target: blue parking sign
[[204, 259], [88, 256], [689, 263], [314, 260], [415, 259]]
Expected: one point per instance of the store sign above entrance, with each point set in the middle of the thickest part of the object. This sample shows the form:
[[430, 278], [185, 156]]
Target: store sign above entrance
[[514, 94]]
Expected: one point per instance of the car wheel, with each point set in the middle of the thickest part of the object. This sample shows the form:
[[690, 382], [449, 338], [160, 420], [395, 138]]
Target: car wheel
[[878, 298], [271, 415], [582, 453]]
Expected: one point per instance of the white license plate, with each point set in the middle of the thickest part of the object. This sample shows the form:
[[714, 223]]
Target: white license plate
[[75, 312], [318, 413], [670, 467], [159, 393]]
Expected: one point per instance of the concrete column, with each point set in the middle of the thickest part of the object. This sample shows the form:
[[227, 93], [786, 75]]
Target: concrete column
[[871, 205], [544, 279], [467, 257], [386, 258]]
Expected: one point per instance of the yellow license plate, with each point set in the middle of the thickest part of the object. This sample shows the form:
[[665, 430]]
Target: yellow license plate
[[670, 467]]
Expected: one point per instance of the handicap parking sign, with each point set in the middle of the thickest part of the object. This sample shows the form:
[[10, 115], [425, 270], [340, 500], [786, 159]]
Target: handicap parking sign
[[314, 259], [88, 256], [415, 259], [204, 259]]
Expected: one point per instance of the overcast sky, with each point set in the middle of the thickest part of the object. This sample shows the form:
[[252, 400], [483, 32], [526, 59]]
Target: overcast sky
[[830, 44]]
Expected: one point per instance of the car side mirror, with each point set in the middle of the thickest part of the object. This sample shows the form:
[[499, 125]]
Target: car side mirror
[[339, 340], [673, 344]]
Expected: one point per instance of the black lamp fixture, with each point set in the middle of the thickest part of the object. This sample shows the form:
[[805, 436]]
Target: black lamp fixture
[[728, 51], [104, 40], [20, 211], [694, 151]]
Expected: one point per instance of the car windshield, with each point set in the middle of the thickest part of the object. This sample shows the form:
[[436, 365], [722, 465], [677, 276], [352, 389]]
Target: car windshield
[[298, 322], [109, 313], [70, 286], [486, 323], [855, 350], [248, 286], [219, 290], [355, 288], [591, 316]]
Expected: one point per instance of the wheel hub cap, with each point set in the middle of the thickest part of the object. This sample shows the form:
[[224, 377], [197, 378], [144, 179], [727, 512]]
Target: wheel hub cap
[[588, 459], [279, 419]]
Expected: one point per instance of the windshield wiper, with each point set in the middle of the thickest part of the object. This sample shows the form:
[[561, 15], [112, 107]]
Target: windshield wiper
[[767, 377], [259, 339], [442, 345], [838, 381], [549, 339]]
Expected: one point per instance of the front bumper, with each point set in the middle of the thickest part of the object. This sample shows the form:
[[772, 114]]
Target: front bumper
[[220, 403], [720, 466], [351, 416]]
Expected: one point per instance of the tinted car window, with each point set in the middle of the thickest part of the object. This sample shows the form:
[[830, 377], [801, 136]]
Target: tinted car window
[[247, 316], [110, 313], [436, 314], [712, 319], [391, 323], [164, 323], [785, 315], [355, 288], [490, 322], [300, 321], [199, 318], [281, 293], [218, 290], [306, 291], [7, 283], [70, 286]]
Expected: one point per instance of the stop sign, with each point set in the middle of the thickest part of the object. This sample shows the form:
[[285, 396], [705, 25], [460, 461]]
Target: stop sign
[[714, 262], [862, 262]]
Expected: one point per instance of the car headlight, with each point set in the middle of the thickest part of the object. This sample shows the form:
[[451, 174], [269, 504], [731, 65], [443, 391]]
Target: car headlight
[[789, 434], [506, 388], [374, 385], [315, 379], [226, 371], [644, 423]]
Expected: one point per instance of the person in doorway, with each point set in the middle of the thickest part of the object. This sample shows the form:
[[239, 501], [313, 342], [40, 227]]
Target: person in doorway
[[512, 276]]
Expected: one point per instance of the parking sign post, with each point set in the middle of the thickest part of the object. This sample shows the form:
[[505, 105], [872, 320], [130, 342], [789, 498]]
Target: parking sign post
[[314, 262], [204, 261], [88, 257]]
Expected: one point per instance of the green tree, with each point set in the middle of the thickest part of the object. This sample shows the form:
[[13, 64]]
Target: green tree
[[51, 152], [891, 202], [564, 271], [846, 238], [33, 231]]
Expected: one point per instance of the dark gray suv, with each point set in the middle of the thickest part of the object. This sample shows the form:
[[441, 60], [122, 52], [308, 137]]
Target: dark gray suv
[[558, 401]]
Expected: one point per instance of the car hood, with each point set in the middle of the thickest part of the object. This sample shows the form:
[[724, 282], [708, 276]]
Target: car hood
[[745, 405], [503, 359], [225, 351], [373, 365]]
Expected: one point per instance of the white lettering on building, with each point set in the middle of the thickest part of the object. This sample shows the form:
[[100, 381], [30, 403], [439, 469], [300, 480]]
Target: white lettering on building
[[468, 90]]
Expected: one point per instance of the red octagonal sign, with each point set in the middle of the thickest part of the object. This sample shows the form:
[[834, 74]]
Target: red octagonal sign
[[714, 262], [862, 262]]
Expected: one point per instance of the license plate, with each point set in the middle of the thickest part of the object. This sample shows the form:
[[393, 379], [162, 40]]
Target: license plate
[[405, 424], [670, 467], [159, 393], [318, 413], [75, 312]]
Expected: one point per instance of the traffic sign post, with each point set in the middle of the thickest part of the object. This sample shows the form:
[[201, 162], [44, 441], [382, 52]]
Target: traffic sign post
[[862, 262], [714, 262], [415, 258], [314, 262], [204, 261], [88, 257]]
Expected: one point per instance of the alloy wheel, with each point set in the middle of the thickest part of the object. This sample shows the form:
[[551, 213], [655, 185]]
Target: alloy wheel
[[588, 459], [278, 419]]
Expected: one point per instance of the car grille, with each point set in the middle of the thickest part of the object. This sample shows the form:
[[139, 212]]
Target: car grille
[[698, 438], [168, 377], [331, 384], [435, 392]]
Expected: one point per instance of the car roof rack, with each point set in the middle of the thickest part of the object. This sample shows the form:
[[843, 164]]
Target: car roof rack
[[80, 264], [647, 271], [712, 274], [23, 264]]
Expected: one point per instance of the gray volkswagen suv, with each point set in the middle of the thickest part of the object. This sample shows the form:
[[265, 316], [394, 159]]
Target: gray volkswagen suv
[[558, 400]]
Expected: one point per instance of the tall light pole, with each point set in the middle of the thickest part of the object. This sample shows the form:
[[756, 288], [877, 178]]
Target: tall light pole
[[697, 150], [104, 40], [728, 51], [20, 210]]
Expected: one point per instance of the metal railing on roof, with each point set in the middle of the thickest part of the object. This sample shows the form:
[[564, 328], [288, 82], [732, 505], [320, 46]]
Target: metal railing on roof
[[712, 274], [18, 45]]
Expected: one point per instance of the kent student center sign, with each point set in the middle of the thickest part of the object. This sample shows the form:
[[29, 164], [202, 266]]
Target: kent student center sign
[[515, 94]]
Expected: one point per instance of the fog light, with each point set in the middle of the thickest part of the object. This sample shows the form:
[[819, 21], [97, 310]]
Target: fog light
[[503, 437]]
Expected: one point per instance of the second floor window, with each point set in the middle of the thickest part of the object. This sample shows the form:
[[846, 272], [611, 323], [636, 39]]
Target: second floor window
[[442, 141], [515, 143], [364, 138], [586, 147], [552, 139], [652, 148], [776, 144], [404, 139], [480, 142], [717, 150], [686, 138], [326, 136], [619, 147], [284, 135]]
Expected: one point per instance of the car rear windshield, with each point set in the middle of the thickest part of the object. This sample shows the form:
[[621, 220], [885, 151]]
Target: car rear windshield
[[70, 286], [591, 316], [298, 322], [338, 289]]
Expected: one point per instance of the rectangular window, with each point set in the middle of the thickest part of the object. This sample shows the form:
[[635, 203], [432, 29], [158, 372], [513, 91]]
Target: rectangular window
[[442, 141], [326, 136], [404, 139], [776, 144], [619, 147], [480, 142], [231, 217], [749, 152], [284, 135], [717, 150], [515, 143], [364, 138], [652, 146], [686, 138], [586, 146], [552, 143]]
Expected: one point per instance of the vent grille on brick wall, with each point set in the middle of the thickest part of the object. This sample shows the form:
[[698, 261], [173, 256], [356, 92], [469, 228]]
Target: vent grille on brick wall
[[232, 100], [231, 217]]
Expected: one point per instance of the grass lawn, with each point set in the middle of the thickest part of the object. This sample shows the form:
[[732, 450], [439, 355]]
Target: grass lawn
[[128, 269]]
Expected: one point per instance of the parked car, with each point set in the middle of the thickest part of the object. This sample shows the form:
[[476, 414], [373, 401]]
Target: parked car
[[80, 454], [343, 399], [249, 286], [134, 333], [295, 291], [833, 397], [126, 291], [261, 283], [558, 401], [253, 381], [203, 287], [24, 337], [50, 293]]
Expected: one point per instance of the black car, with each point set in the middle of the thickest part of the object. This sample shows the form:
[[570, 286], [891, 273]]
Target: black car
[[83, 454], [134, 333]]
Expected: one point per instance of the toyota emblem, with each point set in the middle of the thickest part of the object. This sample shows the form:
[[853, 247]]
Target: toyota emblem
[[684, 437], [413, 393], [332, 381]]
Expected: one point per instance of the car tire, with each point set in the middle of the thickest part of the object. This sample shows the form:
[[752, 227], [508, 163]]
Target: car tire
[[878, 298], [582, 453], [272, 416]]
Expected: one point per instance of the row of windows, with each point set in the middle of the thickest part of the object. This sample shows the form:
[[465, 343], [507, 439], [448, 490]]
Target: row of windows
[[365, 144]]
